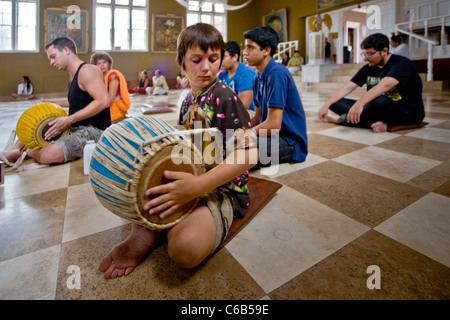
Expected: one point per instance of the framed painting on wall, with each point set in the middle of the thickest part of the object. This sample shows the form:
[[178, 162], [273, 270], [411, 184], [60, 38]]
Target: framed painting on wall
[[165, 31], [277, 20], [67, 23]]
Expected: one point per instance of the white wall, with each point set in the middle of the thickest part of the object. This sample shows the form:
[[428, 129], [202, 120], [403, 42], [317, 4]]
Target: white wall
[[392, 12]]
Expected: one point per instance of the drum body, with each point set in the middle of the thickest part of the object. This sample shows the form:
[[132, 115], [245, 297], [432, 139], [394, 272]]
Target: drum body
[[124, 165], [33, 124]]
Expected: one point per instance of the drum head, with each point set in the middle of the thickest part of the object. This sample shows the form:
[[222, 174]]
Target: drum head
[[33, 124], [42, 129], [152, 176]]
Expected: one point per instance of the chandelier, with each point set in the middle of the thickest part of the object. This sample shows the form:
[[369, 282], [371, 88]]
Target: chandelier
[[226, 6]]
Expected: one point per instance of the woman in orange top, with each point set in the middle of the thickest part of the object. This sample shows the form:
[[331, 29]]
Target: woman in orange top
[[116, 85]]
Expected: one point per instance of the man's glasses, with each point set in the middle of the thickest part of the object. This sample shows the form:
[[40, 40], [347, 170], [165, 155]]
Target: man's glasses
[[368, 54]]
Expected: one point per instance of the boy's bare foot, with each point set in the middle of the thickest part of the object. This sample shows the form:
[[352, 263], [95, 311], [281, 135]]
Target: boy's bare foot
[[125, 256], [379, 127]]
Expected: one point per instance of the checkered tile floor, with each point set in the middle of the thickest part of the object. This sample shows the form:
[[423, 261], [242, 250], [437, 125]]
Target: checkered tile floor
[[360, 200]]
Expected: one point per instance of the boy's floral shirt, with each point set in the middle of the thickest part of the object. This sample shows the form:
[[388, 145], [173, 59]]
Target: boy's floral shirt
[[219, 107]]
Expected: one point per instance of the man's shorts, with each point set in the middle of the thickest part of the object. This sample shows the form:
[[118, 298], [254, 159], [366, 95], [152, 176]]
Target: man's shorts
[[73, 143], [219, 203]]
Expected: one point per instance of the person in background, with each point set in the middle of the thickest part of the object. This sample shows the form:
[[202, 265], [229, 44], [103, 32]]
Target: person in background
[[399, 47], [237, 75], [143, 83], [88, 103], [286, 58], [295, 63], [160, 85], [394, 91], [116, 85], [182, 81], [24, 89], [279, 112]]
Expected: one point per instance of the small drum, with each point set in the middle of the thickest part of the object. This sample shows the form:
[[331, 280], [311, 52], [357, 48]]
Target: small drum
[[33, 124], [130, 158]]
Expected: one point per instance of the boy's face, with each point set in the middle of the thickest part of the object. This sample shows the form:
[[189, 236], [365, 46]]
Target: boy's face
[[228, 61], [201, 67], [103, 65], [253, 53]]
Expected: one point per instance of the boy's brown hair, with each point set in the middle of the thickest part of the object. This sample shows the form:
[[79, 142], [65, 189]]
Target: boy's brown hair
[[201, 35]]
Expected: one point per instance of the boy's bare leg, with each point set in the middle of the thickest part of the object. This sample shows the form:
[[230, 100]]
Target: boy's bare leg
[[192, 240]]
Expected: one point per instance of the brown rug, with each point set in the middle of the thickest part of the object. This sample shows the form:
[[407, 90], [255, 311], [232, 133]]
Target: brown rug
[[412, 126], [261, 191]]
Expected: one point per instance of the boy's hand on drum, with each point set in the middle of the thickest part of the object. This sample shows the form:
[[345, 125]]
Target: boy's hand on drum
[[174, 194]]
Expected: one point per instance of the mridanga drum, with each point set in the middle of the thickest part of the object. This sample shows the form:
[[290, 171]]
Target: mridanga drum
[[125, 164], [34, 123], [31, 128]]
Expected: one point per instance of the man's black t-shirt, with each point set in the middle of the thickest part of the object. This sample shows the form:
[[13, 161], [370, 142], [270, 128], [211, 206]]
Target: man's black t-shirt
[[409, 89], [78, 99]]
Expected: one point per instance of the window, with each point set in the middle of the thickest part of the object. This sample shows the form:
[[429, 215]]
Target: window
[[18, 25], [208, 12], [120, 25]]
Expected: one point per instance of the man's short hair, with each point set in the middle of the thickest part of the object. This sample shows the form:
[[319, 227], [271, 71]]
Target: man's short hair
[[378, 41], [264, 37], [62, 42], [396, 39], [233, 48]]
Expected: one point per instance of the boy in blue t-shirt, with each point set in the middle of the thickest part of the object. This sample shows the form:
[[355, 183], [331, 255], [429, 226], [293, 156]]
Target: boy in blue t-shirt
[[278, 107], [237, 75]]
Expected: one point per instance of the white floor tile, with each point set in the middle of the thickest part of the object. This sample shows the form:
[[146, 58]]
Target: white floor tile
[[85, 215], [30, 277], [387, 163], [435, 134], [423, 226], [359, 135], [292, 233]]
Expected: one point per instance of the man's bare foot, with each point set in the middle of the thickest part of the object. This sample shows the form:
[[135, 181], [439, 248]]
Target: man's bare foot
[[331, 118], [12, 155], [124, 257], [379, 127]]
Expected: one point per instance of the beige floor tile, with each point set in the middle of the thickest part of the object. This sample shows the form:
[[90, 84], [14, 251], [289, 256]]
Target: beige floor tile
[[404, 274], [156, 278], [292, 233], [31, 276], [363, 196], [31, 223], [423, 226], [85, 215], [35, 181], [425, 148], [329, 147], [387, 163], [286, 168]]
